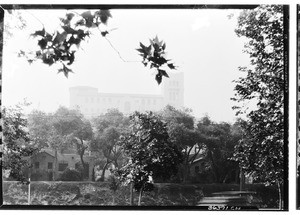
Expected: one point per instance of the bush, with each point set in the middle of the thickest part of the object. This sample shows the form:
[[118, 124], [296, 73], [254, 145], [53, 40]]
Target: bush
[[71, 175]]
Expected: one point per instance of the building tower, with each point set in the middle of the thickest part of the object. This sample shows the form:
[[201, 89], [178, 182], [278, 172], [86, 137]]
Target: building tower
[[173, 90], [83, 98]]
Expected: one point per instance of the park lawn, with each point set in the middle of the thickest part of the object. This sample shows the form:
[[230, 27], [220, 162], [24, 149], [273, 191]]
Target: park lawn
[[99, 194]]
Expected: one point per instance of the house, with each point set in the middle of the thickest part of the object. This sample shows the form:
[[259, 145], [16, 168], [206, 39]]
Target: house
[[197, 166], [44, 169]]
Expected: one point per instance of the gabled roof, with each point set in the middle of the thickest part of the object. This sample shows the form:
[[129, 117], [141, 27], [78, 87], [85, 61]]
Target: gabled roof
[[199, 157], [62, 156]]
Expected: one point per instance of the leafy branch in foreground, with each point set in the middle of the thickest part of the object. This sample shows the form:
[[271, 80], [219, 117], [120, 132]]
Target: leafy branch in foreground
[[154, 56], [61, 46]]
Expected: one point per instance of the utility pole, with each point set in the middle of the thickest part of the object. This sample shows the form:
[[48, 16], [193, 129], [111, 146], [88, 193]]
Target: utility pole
[[242, 180], [131, 193], [29, 181], [29, 200]]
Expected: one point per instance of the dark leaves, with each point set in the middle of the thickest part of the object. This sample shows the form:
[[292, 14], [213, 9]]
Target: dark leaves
[[42, 43], [154, 56], [103, 33], [104, 15], [88, 17], [39, 33], [158, 78], [65, 70], [171, 66], [56, 47], [163, 73]]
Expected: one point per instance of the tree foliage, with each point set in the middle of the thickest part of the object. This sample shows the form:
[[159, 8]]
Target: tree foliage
[[71, 125], [261, 150], [40, 128], [151, 154], [16, 143], [108, 129], [182, 132], [219, 140]]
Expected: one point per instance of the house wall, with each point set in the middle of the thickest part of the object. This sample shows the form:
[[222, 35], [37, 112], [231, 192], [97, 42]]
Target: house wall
[[42, 173], [193, 166]]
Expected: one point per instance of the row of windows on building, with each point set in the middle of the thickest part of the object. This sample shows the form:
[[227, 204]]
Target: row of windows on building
[[174, 83], [110, 101], [174, 96]]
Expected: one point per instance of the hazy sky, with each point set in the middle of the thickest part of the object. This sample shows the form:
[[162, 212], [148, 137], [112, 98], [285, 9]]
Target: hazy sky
[[202, 43]]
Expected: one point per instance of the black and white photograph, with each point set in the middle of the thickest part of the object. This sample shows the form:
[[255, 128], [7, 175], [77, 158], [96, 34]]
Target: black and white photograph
[[145, 107]]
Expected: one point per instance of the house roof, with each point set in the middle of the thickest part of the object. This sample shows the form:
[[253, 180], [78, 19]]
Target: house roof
[[62, 156], [46, 153], [198, 158]]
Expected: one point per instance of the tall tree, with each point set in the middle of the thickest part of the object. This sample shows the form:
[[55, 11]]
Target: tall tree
[[108, 129], [150, 151], [44, 135], [219, 140], [17, 145], [71, 126], [39, 127], [180, 125], [261, 152]]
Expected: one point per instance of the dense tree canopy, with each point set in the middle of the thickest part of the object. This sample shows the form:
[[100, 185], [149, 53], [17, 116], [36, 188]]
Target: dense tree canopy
[[181, 129], [108, 129], [151, 153], [261, 152], [17, 145], [71, 125], [219, 140]]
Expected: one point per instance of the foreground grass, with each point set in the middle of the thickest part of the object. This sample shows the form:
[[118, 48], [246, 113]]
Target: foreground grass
[[99, 194]]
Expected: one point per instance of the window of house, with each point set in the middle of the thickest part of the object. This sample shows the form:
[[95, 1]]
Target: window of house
[[62, 166], [50, 165], [36, 165]]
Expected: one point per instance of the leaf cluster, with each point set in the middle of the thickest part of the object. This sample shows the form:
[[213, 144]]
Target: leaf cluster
[[154, 56], [61, 46]]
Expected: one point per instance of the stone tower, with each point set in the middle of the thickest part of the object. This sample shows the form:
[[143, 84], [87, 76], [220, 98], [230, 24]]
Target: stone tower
[[173, 90]]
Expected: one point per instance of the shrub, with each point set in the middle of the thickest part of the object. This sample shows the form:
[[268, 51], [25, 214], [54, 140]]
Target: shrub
[[71, 175]]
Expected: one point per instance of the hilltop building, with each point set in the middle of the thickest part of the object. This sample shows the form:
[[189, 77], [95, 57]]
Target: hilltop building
[[92, 103]]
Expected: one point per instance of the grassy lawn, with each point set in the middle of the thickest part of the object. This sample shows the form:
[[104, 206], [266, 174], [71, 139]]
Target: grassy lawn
[[99, 194]]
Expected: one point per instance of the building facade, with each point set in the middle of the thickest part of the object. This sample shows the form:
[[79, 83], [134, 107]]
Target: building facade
[[44, 168], [92, 103]]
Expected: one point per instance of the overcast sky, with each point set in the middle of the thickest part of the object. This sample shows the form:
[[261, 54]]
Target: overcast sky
[[202, 43]]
